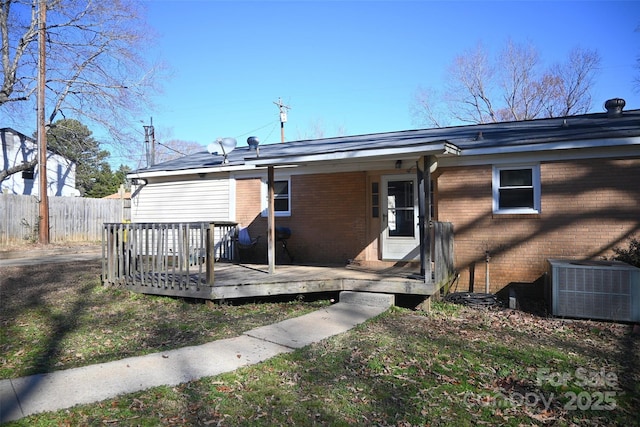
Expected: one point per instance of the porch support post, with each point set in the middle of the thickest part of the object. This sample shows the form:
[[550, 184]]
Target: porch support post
[[271, 221], [211, 252], [424, 215]]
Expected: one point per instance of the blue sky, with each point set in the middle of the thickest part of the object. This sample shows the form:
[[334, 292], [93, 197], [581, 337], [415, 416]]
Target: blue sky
[[353, 67]]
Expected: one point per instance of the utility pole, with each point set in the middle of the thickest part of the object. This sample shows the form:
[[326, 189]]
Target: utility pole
[[150, 143], [43, 221], [283, 117]]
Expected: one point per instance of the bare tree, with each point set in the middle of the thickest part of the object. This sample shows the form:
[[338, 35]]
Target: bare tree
[[513, 87], [573, 79], [174, 149], [426, 109], [94, 67], [469, 85], [522, 92], [317, 130]]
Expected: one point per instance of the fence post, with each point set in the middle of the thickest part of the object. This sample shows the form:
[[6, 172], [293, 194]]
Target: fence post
[[211, 253]]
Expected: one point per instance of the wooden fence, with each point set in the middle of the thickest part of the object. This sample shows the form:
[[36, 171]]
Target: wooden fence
[[70, 218], [166, 258]]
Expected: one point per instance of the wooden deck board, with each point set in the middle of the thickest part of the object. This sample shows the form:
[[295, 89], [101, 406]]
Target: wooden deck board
[[249, 280]]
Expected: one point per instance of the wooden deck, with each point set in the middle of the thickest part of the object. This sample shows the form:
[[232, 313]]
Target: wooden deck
[[198, 260], [251, 280]]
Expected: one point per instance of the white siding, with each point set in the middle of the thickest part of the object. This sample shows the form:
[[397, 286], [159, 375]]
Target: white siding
[[182, 201], [17, 149]]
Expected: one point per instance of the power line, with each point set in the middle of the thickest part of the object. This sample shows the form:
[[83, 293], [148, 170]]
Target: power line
[[171, 148], [254, 130]]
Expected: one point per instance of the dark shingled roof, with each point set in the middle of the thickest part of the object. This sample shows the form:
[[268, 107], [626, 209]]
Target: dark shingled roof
[[505, 136]]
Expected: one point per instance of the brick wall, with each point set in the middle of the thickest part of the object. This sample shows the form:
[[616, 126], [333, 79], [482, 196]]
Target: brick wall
[[328, 217], [588, 207]]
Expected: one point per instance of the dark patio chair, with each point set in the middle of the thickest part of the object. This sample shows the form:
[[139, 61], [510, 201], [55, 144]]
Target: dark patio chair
[[244, 241]]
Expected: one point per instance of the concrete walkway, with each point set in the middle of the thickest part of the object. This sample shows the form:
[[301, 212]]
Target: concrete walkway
[[25, 396]]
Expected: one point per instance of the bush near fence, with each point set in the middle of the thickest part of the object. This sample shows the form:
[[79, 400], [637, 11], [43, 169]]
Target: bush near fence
[[71, 219]]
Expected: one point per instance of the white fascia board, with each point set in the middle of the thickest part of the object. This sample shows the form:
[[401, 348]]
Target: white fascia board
[[440, 148], [549, 155], [218, 169], [552, 146]]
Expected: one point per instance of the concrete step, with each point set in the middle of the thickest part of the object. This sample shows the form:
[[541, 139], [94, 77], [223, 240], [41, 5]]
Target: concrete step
[[367, 298]]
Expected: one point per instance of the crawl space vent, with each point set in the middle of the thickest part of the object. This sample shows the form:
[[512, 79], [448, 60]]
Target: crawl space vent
[[607, 290]]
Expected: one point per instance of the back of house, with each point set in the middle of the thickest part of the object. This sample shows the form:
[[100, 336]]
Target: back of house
[[517, 194]]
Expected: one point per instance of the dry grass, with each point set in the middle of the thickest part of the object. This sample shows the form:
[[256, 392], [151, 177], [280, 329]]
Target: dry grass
[[453, 367], [59, 316]]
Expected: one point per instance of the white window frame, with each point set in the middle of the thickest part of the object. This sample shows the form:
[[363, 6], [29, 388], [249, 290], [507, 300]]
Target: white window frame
[[535, 181], [265, 198]]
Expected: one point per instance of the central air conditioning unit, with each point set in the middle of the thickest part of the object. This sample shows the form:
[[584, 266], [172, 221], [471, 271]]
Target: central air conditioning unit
[[607, 290]]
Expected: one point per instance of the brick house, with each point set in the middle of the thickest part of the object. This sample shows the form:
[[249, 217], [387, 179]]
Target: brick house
[[517, 194]]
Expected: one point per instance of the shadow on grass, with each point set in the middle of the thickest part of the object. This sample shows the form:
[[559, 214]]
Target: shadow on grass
[[40, 291]]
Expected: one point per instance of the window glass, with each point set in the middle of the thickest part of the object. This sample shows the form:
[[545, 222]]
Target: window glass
[[516, 198], [281, 196], [518, 177], [281, 189], [28, 174], [400, 209], [281, 200], [516, 189]]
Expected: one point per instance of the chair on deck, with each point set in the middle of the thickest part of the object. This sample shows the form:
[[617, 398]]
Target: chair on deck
[[243, 241]]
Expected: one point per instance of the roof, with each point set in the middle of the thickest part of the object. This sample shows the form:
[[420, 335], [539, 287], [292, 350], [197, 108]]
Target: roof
[[29, 139], [125, 195], [589, 130]]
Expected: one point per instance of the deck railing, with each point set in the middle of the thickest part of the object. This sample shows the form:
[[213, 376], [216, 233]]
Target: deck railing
[[166, 258], [178, 259]]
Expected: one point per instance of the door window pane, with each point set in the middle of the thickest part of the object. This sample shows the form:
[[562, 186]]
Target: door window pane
[[400, 209]]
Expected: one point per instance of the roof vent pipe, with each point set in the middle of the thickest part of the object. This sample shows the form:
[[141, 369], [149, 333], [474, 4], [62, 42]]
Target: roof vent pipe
[[253, 142], [614, 107]]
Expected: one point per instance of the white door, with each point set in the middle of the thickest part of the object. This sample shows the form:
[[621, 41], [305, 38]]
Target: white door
[[400, 234]]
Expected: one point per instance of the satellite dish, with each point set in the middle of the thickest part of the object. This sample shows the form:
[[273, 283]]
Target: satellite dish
[[226, 145]]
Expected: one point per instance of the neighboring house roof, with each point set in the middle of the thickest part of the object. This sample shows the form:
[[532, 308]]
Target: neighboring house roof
[[125, 195], [583, 131], [27, 138]]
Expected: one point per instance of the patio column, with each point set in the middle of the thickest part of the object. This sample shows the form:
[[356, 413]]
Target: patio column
[[271, 221], [424, 215]]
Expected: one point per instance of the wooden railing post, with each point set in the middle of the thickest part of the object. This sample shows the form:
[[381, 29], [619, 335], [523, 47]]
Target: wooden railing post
[[211, 252]]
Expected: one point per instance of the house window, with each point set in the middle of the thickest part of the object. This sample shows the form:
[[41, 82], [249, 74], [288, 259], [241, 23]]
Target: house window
[[28, 174], [516, 189], [375, 200], [282, 198]]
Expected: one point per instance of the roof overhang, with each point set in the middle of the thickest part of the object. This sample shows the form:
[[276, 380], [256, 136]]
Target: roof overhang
[[216, 169], [439, 148], [551, 146]]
